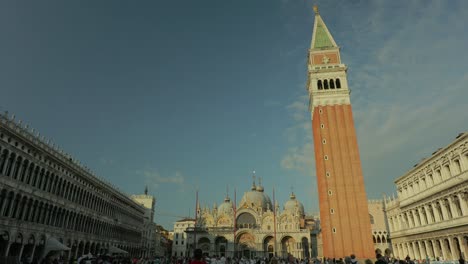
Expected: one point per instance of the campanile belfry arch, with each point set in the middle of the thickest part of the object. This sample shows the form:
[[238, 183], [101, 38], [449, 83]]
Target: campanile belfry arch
[[344, 212]]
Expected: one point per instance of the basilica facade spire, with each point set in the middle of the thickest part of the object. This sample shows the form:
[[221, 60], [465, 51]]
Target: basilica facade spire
[[343, 205]]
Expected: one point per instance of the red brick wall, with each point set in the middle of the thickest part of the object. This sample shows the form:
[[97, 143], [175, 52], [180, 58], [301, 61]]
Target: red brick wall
[[348, 198]]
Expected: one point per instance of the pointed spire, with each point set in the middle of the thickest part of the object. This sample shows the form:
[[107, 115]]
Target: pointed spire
[[321, 37]]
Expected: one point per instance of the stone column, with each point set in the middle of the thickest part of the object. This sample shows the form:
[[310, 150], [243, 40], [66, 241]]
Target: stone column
[[443, 205], [463, 163], [32, 252], [453, 207], [463, 204], [399, 222], [445, 253], [444, 172], [437, 216], [435, 248], [21, 251], [453, 249], [404, 250], [5, 203], [417, 254], [396, 251], [422, 213], [7, 250], [414, 212], [463, 246], [428, 214], [411, 252], [429, 250], [409, 223], [422, 250]]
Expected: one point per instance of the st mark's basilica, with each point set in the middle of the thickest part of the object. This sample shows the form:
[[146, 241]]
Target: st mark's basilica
[[254, 234]]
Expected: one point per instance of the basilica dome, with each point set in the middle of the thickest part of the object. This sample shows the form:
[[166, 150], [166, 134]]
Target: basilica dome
[[256, 198], [292, 204], [226, 207]]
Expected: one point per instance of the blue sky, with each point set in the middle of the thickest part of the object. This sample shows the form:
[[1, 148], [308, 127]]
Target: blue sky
[[184, 94]]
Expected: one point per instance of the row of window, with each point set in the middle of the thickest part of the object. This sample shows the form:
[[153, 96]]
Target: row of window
[[380, 239], [432, 248], [23, 208], [439, 175], [329, 84], [21, 169], [441, 210]]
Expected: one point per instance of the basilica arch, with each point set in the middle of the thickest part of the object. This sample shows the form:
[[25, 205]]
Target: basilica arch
[[204, 245], [287, 246], [269, 246], [246, 245], [221, 246]]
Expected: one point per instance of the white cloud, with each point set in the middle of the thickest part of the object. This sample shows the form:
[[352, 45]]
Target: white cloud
[[300, 156], [154, 179]]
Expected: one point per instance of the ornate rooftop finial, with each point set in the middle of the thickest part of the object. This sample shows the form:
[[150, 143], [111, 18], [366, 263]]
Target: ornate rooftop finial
[[253, 183], [315, 9], [146, 190]]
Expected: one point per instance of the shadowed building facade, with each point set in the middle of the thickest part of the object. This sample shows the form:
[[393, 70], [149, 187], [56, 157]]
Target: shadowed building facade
[[343, 203], [49, 203]]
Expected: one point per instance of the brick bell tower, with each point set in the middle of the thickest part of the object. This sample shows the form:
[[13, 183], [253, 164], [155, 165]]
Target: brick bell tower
[[344, 214]]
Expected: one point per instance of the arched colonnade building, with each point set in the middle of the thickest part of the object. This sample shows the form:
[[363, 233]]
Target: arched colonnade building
[[429, 217], [46, 196]]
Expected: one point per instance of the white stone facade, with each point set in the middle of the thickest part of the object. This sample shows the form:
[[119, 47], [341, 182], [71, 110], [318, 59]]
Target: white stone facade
[[430, 215], [45, 195], [180, 239], [378, 219], [148, 240]]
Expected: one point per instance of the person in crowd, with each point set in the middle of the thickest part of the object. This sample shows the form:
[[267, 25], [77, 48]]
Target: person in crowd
[[379, 257], [198, 257], [461, 260]]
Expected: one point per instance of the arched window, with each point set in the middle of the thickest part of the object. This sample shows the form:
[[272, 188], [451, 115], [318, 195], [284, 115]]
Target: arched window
[[332, 84], [24, 171], [338, 84], [371, 219], [10, 164], [3, 159], [319, 84], [325, 84], [246, 220]]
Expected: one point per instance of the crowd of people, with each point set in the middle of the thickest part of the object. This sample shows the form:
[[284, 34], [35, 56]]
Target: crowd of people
[[199, 258], [380, 258]]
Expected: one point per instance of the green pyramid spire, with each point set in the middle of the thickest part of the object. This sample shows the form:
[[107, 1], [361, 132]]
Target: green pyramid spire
[[322, 40], [321, 36]]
